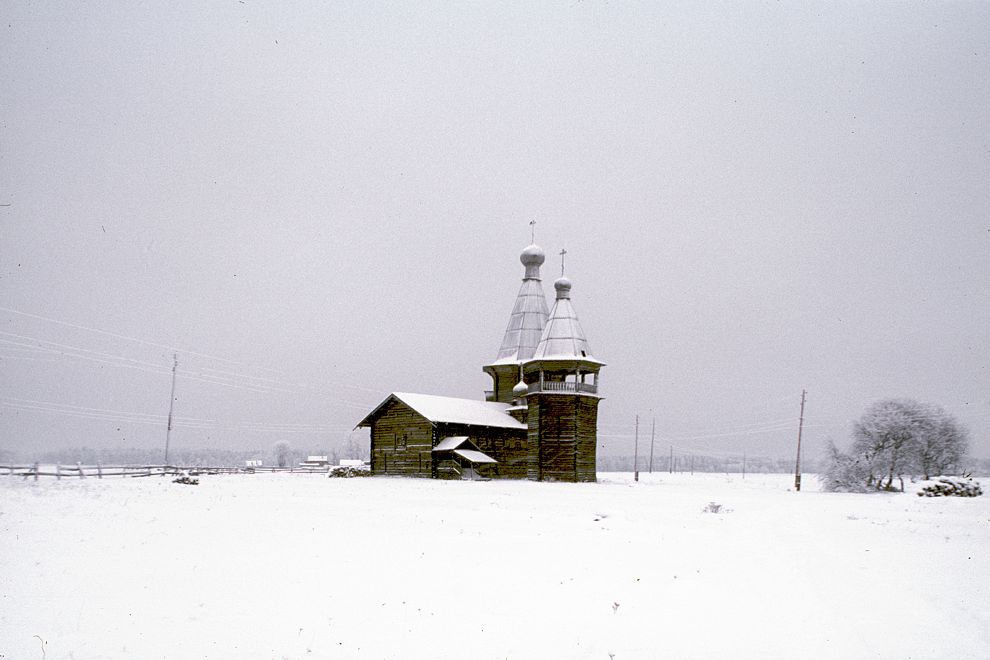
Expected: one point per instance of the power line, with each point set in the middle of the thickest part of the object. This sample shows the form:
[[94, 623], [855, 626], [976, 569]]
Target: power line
[[119, 416], [188, 352], [104, 411], [68, 350], [120, 336]]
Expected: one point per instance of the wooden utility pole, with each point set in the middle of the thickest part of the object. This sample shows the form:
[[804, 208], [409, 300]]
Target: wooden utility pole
[[171, 401], [797, 465], [636, 452], [653, 435]]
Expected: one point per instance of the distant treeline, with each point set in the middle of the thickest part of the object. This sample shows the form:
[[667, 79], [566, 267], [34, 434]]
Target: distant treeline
[[237, 457], [134, 456], [143, 456], [977, 467], [703, 463]]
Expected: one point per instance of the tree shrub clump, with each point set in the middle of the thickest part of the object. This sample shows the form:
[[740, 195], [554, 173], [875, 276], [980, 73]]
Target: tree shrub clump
[[896, 438]]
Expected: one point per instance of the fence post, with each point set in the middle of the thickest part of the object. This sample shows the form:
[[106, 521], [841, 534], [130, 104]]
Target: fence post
[[82, 475], [58, 472], [36, 471], [99, 470]]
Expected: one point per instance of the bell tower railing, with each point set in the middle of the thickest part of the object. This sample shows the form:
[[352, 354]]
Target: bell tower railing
[[563, 386]]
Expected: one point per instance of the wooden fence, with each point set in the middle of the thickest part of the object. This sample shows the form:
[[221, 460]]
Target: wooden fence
[[98, 471]]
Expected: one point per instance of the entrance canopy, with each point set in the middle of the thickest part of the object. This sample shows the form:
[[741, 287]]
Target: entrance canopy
[[462, 446]]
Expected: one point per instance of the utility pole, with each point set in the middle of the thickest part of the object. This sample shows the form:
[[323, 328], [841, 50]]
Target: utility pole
[[670, 461], [744, 465], [636, 452], [171, 401], [797, 465], [653, 433]]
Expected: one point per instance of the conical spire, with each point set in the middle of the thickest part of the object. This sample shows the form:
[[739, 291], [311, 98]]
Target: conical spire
[[563, 337], [529, 313]]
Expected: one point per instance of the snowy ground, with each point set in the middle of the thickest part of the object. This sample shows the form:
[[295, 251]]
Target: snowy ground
[[293, 565]]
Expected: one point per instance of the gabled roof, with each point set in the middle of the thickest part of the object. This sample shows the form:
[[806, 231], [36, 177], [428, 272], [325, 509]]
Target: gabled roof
[[563, 337], [444, 409], [454, 442], [463, 447]]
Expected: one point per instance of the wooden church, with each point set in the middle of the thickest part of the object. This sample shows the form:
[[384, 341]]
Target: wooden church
[[539, 421]]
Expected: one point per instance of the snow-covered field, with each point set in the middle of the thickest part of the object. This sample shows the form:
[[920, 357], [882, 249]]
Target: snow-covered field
[[292, 565]]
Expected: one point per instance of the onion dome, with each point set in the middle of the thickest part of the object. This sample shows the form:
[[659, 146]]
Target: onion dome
[[532, 258], [563, 288]]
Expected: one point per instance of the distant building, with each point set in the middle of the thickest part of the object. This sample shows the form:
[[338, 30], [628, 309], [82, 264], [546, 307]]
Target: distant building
[[315, 462], [538, 422]]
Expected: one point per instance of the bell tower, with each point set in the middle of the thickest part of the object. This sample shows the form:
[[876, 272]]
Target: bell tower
[[562, 397]]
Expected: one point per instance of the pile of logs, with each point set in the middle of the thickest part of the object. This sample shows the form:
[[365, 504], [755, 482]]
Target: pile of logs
[[952, 487], [349, 471]]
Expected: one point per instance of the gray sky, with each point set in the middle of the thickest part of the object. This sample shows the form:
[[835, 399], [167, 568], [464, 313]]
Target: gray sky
[[319, 205]]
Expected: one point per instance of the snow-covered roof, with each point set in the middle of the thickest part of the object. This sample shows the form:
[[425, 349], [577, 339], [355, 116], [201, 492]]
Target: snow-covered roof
[[453, 442], [463, 447], [449, 410], [475, 456]]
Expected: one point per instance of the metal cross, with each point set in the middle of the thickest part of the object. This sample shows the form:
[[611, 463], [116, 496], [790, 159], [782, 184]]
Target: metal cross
[[562, 253], [532, 231]]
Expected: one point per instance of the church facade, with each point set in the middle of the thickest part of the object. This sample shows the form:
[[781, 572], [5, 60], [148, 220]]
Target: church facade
[[539, 420]]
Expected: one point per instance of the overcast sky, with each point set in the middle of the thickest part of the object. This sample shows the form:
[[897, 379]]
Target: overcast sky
[[315, 206]]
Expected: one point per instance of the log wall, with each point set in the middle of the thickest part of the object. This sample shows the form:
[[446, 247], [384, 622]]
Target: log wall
[[562, 437], [401, 442], [507, 446]]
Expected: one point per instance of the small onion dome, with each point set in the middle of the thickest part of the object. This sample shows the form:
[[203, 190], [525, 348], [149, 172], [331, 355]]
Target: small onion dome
[[563, 287], [520, 389], [532, 256]]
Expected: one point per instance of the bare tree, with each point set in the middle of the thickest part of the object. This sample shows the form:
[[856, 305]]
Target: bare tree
[[844, 473], [943, 444], [886, 436], [283, 453], [355, 449]]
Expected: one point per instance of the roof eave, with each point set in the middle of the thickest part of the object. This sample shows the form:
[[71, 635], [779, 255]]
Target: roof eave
[[564, 359]]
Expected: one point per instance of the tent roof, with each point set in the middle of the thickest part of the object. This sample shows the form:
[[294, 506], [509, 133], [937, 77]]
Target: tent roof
[[526, 323], [563, 337]]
